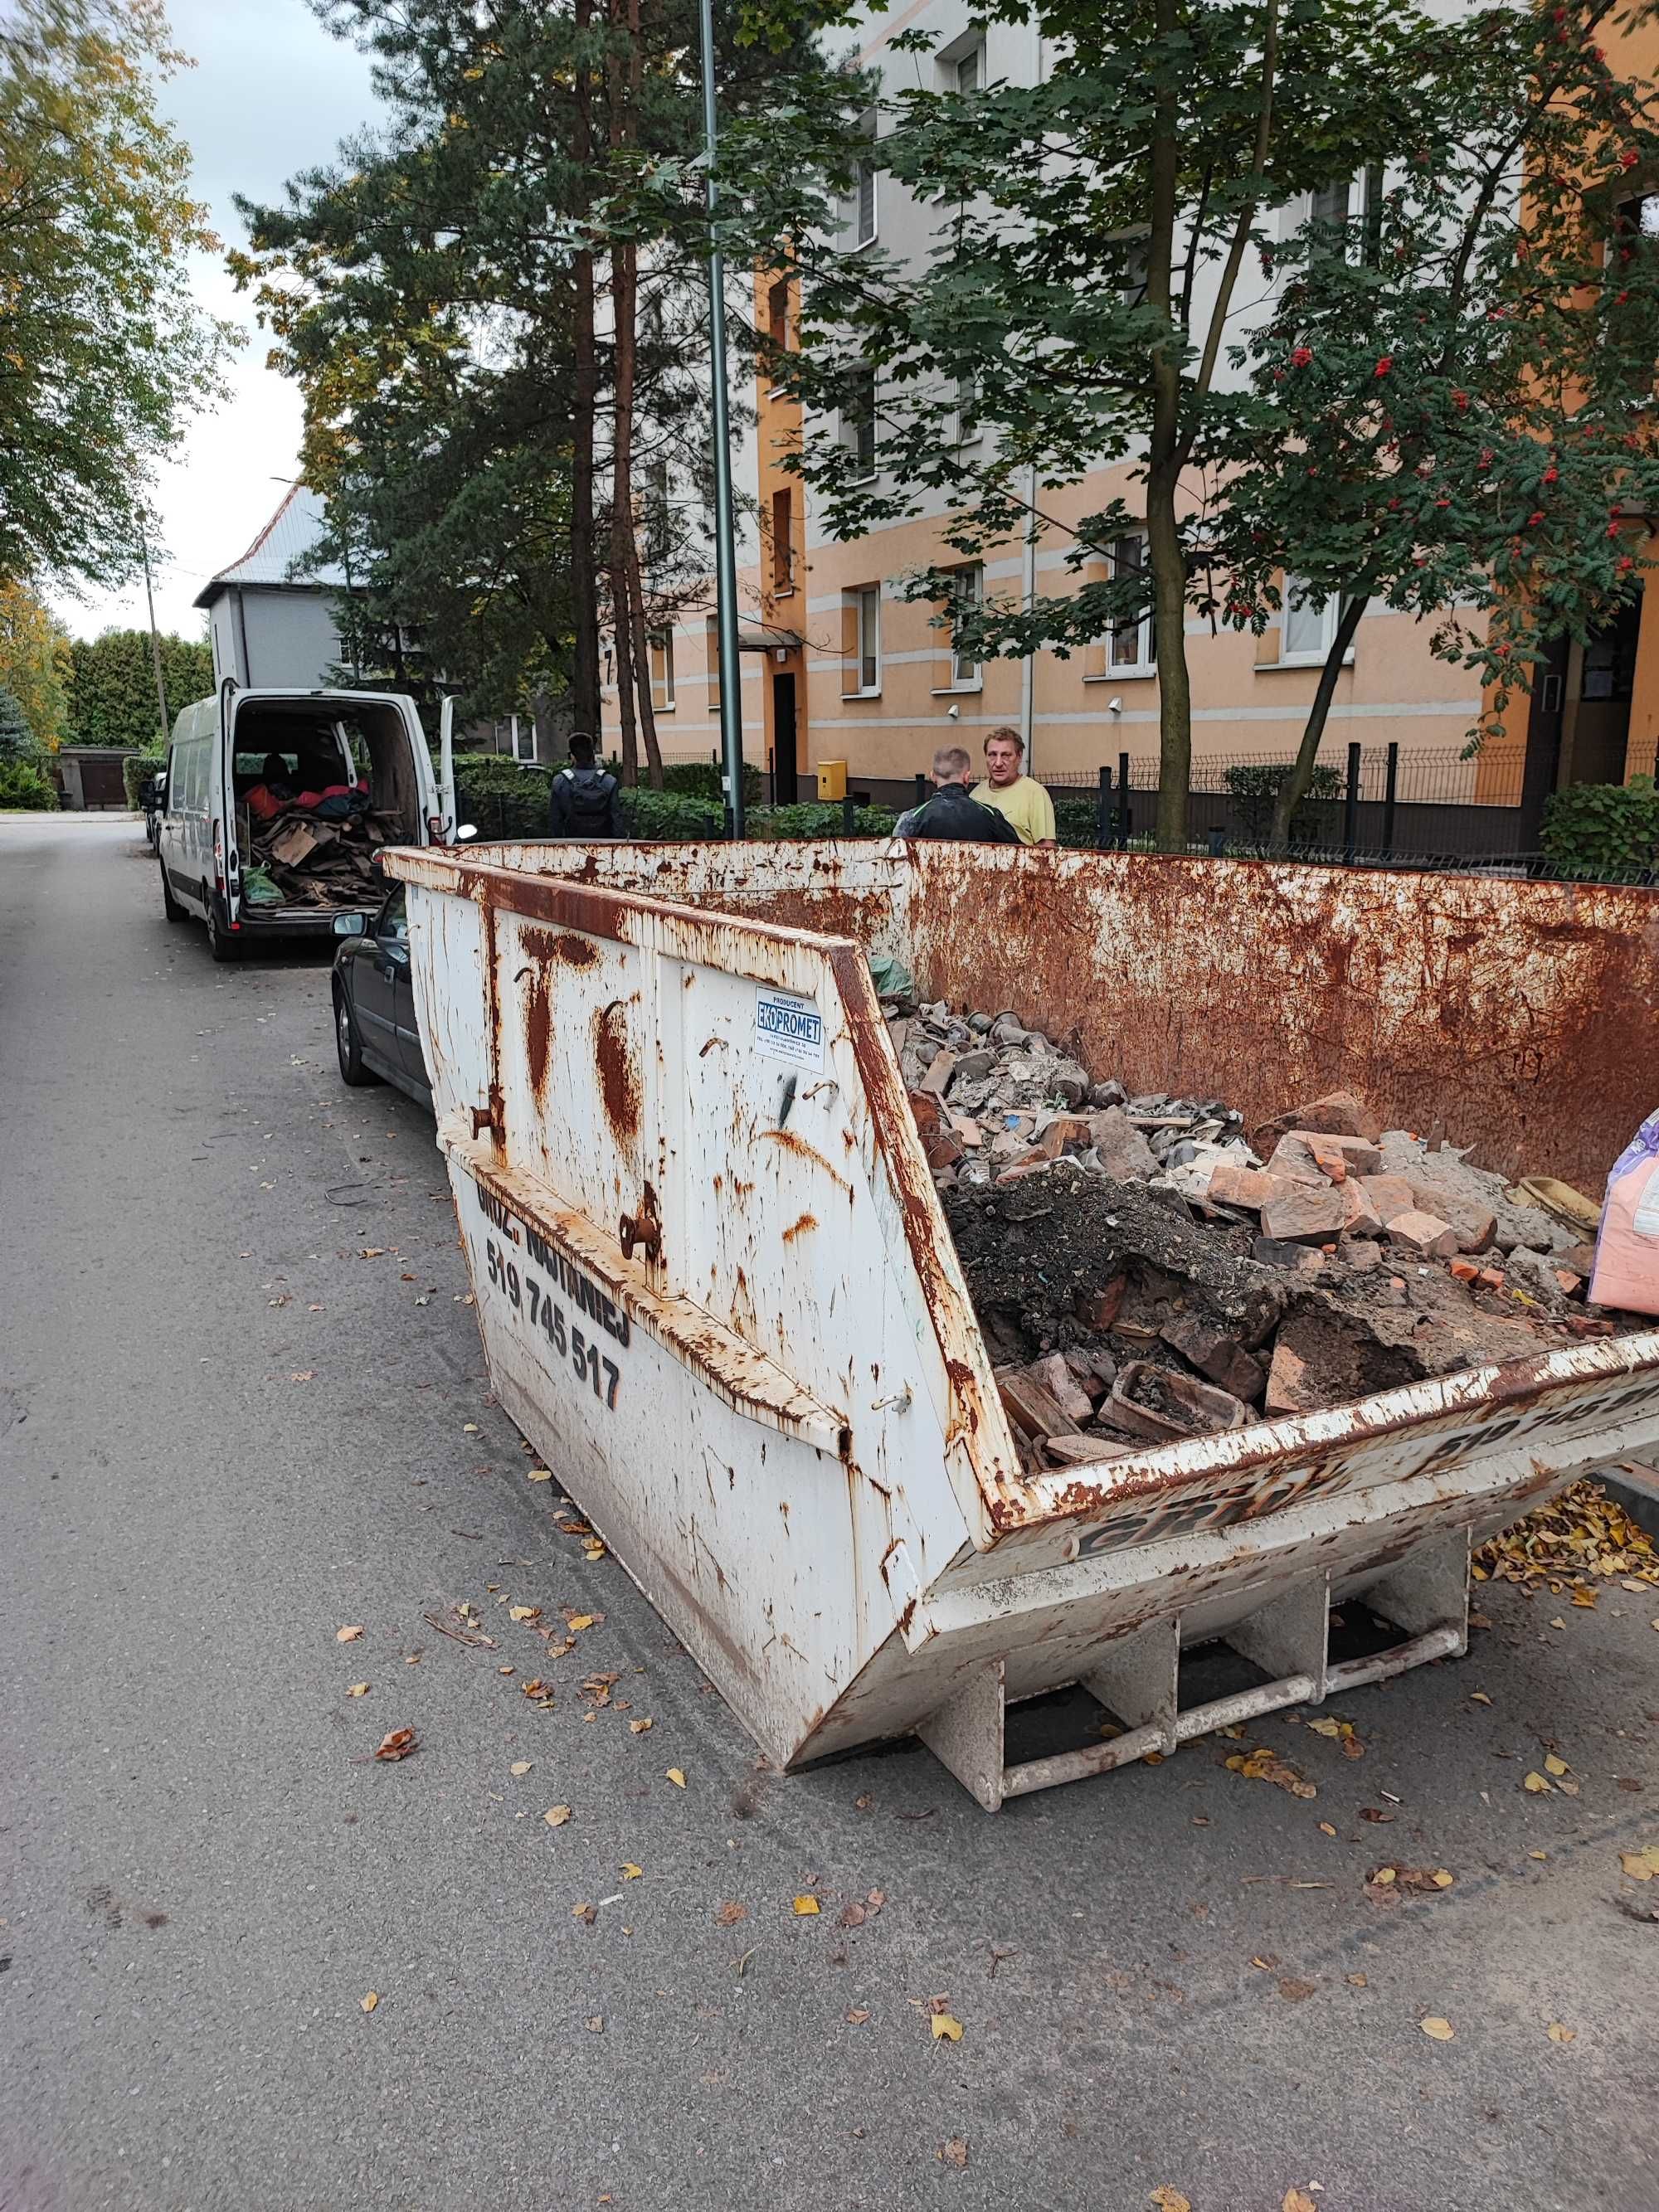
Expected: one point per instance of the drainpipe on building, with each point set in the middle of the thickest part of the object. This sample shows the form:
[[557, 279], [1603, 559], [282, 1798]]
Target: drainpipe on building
[[1027, 666], [725, 561]]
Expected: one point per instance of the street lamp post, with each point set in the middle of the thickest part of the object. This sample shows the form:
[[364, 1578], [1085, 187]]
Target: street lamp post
[[725, 556]]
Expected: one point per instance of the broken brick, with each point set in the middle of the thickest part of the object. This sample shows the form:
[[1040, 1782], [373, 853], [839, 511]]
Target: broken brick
[[1360, 1216], [937, 1081], [1339, 1114], [1249, 1188], [1570, 1283], [1022, 1169], [1304, 1215], [1362, 1255], [1222, 1358], [1390, 1195], [942, 1148], [1426, 1234], [1100, 1308], [925, 1112], [1030, 1402], [1491, 1277], [1475, 1225], [1464, 1271], [1060, 1130], [1290, 1388], [1063, 1385]]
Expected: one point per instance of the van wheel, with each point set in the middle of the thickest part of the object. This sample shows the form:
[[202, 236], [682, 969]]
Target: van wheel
[[221, 943], [170, 906], [352, 1070]]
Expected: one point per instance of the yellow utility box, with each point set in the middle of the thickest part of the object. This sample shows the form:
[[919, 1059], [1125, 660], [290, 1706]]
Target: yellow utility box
[[832, 779]]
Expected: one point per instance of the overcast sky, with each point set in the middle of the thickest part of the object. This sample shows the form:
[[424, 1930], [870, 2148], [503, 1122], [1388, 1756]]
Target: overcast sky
[[271, 94]]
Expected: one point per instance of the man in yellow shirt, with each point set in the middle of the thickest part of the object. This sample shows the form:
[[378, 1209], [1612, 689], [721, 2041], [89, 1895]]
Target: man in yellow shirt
[[1018, 797]]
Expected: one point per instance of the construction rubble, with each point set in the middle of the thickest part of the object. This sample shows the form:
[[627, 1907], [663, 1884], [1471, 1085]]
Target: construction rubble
[[312, 849], [1145, 1269]]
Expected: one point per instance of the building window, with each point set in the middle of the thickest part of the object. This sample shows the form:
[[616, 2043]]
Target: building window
[[777, 313], [864, 607], [964, 426], [1354, 203], [967, 589], [524, 737], [858, 420], [783, 543], [858, 209], [966, 71], [660, 649], [711, 647], [1307, 625], [1131, 643]]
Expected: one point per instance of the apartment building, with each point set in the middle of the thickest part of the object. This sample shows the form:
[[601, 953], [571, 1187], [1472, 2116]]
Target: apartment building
[[838, 665]]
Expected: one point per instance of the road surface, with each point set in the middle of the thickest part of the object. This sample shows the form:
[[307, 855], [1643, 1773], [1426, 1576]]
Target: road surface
[[243, 1406]]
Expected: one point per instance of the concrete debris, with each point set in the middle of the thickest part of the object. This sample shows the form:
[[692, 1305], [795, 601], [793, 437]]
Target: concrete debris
[[1143, 1272]]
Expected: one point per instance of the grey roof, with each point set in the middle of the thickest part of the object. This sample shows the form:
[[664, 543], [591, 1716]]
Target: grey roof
[[291, 533]]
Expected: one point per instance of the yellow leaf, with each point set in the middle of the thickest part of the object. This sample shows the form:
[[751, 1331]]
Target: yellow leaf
[[1297, 2200], [1443, 1878], [523, 1613], [1357, 1981], [1586, 1597], [556, 1815], [631, 1872], [1554, 1765], [358, 1690], [1558, 1622], [519, 1766], [369, 2002], [638, 1728], [1643, 1865], [1326, 1727], [1170, 2200], [539, 1474], [1538, 1854], [347, 1635], [807, 1907], [579, 1621], [1479, 1698], [1534, 1782], [1325, 1829], [677, 1778], [1440, 2030], [1557, 2034], [946, 2026], [1384, 1876]]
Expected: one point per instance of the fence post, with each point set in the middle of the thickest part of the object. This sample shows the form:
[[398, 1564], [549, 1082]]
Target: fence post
[[1123, 802], [848, 814], [921, 788], [1351, 808], [1389, 789]]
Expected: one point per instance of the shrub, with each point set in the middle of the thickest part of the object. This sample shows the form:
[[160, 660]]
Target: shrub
[[815, 817], [665, 815], [1075, 823], [1254, 785], [136, 770], [500, 799], [1603, 832], [701, 780], [25, 787]]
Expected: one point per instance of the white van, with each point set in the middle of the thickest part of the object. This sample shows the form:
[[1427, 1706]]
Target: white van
[[223, 748]]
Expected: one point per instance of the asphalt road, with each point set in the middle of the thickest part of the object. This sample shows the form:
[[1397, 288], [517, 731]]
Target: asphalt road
[[227, 1432]]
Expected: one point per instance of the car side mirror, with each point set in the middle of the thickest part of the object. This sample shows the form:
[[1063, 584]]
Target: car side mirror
[[351, 924]]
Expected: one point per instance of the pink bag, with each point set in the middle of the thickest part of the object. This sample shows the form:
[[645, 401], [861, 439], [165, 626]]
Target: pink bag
[[1627, 1244]]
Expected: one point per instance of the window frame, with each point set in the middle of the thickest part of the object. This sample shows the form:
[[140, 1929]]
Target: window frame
[[1145, 660], [862, 600], [660, 670], [968, 583], [975, 53], [520, 737], [851, 423], [966, 387], [783, 543]]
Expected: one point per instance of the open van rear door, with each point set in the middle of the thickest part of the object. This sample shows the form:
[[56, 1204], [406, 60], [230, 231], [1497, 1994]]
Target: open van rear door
[[221, 811], [447, 772]]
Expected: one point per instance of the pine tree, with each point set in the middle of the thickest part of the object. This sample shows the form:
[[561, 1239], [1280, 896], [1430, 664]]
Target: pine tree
[[17, 738]]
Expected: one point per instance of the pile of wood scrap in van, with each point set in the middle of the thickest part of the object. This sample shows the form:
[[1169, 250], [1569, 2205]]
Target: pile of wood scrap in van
[[299, 857], [1145, 1271]]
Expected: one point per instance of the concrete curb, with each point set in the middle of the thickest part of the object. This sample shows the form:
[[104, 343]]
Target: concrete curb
[[1637, 1489]]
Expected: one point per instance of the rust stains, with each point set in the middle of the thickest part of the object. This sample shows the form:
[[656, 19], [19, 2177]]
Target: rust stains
[[799, 1228], [571, 951], [800, 1146], [538, 1008], [619, 1074]]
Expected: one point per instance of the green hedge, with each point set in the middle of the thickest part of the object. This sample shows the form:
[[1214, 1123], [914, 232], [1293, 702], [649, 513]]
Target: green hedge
[[136, 770], [818, 819], [701, 780], [25, 787], [1255, 784], [1603, 832], [503, 800]]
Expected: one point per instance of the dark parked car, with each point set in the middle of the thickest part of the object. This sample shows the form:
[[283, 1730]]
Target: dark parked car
[[375, 1029]]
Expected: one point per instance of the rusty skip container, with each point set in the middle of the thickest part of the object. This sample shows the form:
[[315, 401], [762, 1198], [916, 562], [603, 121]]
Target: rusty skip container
[[718, 1294]]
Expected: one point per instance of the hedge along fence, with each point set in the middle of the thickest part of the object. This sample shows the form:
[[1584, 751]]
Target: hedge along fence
[[503, 799], [136, 770]]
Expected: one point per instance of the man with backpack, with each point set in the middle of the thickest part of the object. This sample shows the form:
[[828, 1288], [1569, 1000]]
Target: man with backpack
[[585, 802], [952, 811]]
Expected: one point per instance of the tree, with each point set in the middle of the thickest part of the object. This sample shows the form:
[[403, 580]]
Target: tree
[[103, 351], [1071, 310], [1447, 410], [17, 738], [112, 692], [34, 662]]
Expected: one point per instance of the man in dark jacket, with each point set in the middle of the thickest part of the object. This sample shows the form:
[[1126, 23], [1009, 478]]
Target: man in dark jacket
[[952, 811], [584, 804]]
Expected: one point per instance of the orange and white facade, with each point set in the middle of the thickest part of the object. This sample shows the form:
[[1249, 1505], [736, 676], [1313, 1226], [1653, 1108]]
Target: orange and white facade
[[839, 666]]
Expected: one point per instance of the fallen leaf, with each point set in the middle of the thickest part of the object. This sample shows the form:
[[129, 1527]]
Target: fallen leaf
[[1643, 1865], [807, 1907], [1356, 1982], [1331, 1727], [369, 2002], [852, 1915], [579, 1621], [863, 1804], [358, 1690], [519, 1766], [1297, 2200], [539, 1474], [468, 1428], [1440, 2030], [1537, 1854], [1479, 1698], [1535, 1783], [1294, 1992], [1375, 1813], [1170, 2200], [556, 1815], [1557, 2034], [1384, 1876], [1265, 1960], [596, 2024], [587, 1914], [1557, 1622], [1582, 1596], [396, 1743], [305, 1375], [593, 1549], [1325, 1829], [953, 2151], [1554, 1765], [858, 2016], [523, 1613], [946, 2027], [729, 1914], [631, 1872], [1262, 1765], [676, 1777], [639, 1728], [347, 1635]]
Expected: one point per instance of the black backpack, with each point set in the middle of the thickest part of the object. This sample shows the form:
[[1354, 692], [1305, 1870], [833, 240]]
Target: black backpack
[[588, 795]]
